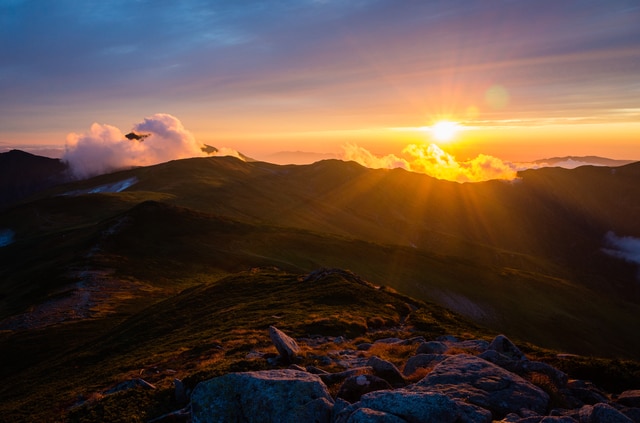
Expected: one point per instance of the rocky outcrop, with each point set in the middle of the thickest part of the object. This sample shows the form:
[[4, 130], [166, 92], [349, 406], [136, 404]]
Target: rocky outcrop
[[286, 346], [489, 384], [285, 396], [477, 381]]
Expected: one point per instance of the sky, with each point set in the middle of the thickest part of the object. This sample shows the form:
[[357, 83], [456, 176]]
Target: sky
[[524, 79]]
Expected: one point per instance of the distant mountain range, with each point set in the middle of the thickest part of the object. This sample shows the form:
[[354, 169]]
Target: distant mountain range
[[546, 237], [571, 162], [180, 267]]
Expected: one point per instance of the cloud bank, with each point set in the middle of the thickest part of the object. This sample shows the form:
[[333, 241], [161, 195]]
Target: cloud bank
[[626, 248], [435, 162], [104, 148]]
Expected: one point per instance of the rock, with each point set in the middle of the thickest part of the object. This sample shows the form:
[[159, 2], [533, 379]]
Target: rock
[[602, 413], [523, 367], [367, 415], [332, 378], [180, 392], [485, 384], [423, 406], [387, 371], [630, 398], [420, 361], [365, 346], [558, 419], [504, 346], [356, 386], [286, 346], [265, 396], [413, 341], [388, 341], [129, 384], [586, 392], [432, 347], [474, 345]]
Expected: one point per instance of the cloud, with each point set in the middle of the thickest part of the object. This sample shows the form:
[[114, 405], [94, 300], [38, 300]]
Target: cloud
[[433, 161], [104, 148], [626, 248], [6, 237], [364, 157]]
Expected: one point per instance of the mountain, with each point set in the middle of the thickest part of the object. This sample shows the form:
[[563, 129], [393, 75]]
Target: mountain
[[297, 157], [572, 162], [159, 266], [23, 174]]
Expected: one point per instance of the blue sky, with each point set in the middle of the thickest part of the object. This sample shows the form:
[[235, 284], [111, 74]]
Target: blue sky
[[261, 71]]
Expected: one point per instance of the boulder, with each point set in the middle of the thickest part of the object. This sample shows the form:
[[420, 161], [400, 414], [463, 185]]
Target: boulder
[[356, 386], [417, 405], [432, 347], [387, 371], [286, 396], [367, 415], [602, 413], [630, 398], [485, 384], [523, 367], [286, 346], [421, 360], [504, 346]]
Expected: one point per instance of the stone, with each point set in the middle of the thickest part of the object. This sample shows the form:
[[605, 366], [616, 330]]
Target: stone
[[423, 406], [523, 367], [558, 419], [356, 386], [180, 392], [130, 384], [286, 396], [486, 385], [504, 346], [367, 415], [286, 346], [602, 413], [365, 346], [630, 398], [387, 371], [421, 361], [388, 341], [432, 347], [333, 378]]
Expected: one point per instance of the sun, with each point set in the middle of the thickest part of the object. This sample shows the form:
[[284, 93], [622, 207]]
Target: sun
[[445, 130]]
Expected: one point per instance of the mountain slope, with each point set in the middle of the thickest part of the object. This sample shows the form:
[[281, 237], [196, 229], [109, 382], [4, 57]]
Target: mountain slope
[[23, 174]]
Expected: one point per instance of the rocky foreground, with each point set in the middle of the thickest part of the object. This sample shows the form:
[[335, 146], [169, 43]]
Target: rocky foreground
[[444, 381]]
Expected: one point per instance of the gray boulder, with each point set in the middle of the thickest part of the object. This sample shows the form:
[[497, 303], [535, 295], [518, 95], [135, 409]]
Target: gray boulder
[[387, 371], [367, 415], [355, 386], [523, 367], [286, 346], [417, 405], [432, 347], [486, 385], [421, 361], [504, 346], [602, 413], [630, 398], [283, 396]]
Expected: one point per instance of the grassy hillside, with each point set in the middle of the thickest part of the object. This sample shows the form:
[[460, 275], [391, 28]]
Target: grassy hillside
[[173, 273], [203, 331]]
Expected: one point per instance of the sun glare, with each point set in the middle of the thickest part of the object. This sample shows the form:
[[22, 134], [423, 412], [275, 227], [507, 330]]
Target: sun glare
[[445, 130]]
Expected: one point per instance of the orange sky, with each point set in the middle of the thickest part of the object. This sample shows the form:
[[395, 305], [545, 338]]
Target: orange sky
[[529, 80]]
